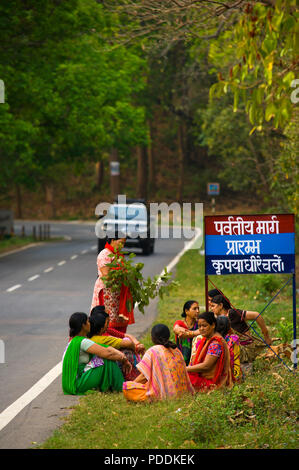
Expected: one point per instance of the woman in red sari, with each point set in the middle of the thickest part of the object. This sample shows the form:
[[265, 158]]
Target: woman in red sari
[[210, 364], [115, 302]]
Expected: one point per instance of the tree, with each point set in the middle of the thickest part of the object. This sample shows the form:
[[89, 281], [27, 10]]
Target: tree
[[258, 41], [261, 52], [69, 96]]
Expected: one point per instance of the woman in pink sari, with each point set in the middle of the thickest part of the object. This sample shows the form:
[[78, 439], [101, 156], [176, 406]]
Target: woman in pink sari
[[163, 372], [115, 302]]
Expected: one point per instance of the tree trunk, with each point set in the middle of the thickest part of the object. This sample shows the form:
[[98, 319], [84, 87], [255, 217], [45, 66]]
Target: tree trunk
[[181, 161], [141, 172], [151, 164], [99, 173], [19, 202], [114, 173], [50, 201]]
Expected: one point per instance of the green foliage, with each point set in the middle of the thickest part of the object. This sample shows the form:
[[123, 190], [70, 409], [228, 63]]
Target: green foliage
[[285, 331], [123, 271], [267, 285], [68, 95], [285, 182], [263, 64]]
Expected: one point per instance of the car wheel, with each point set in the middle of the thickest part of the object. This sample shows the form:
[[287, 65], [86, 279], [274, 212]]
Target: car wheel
[[146, 250]]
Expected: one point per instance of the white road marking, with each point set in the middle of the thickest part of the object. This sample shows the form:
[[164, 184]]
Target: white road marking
[[61, 263], [74, 256], [48, 269], [83, 252], [11, 411], [32, 278], [13, 288], [94, 247]]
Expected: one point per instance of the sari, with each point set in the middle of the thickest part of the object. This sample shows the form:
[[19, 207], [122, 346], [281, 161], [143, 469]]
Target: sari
[[118, 305], [234, 349], [220, 375], [133, 358], [166, 375], [250, 345], [78, 378], [185, 344]]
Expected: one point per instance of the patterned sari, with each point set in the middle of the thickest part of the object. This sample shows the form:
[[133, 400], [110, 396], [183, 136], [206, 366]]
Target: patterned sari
[[185, 344], [220, 375], [166, 375], [234, 349], [250, 345], [118, 305]]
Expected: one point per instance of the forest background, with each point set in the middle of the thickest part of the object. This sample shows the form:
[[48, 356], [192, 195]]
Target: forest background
[[180, 92]]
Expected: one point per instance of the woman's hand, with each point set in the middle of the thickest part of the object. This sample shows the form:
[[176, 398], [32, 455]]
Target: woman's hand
[[181, 332], [267, 338], [140, 348], [126, 365]]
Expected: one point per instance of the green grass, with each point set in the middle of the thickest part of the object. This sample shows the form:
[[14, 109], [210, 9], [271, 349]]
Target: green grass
[[15, 242], [257, 414]]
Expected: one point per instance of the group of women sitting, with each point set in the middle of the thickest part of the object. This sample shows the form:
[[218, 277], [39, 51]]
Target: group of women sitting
[[206, 355], [209, 349]]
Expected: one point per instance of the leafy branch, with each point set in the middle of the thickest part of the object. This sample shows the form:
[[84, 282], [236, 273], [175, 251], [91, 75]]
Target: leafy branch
[[123, 271]]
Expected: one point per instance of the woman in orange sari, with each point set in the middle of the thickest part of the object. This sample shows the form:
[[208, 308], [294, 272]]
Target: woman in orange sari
[[115, 302], [210, 365], [162, 370]]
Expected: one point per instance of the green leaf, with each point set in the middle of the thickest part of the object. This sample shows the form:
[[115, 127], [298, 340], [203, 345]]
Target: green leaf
[[270, 111]]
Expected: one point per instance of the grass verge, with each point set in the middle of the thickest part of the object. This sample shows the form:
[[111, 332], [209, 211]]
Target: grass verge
[[14, 243], [260, 413]]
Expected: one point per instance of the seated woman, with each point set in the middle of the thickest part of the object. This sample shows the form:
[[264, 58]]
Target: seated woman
[[250, 345], [139, 347], [87, 365], [212, 293], [162, 369], [99, 323], [185, 330], [223, 327], [210, 365]]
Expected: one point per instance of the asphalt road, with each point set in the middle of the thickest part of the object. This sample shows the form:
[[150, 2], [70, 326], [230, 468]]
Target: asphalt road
[[40, 287]]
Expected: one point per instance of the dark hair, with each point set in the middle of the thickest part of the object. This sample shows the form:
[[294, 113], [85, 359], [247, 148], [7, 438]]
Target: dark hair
[[97, 322], [219, 299], [214, 292], [76, 321], [116, 236], [97, 309], [209, 317], [222, 325], [187, 306], [161, 334]]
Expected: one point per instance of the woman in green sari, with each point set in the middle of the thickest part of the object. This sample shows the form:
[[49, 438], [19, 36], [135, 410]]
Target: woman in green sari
[[87, 365]]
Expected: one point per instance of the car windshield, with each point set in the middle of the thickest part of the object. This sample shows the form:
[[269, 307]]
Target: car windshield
[[127, 212]]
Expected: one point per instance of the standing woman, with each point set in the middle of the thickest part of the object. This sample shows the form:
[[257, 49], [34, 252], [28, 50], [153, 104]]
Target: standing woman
[[87, 365], [115, 302], [185, 330], [210, 367]]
